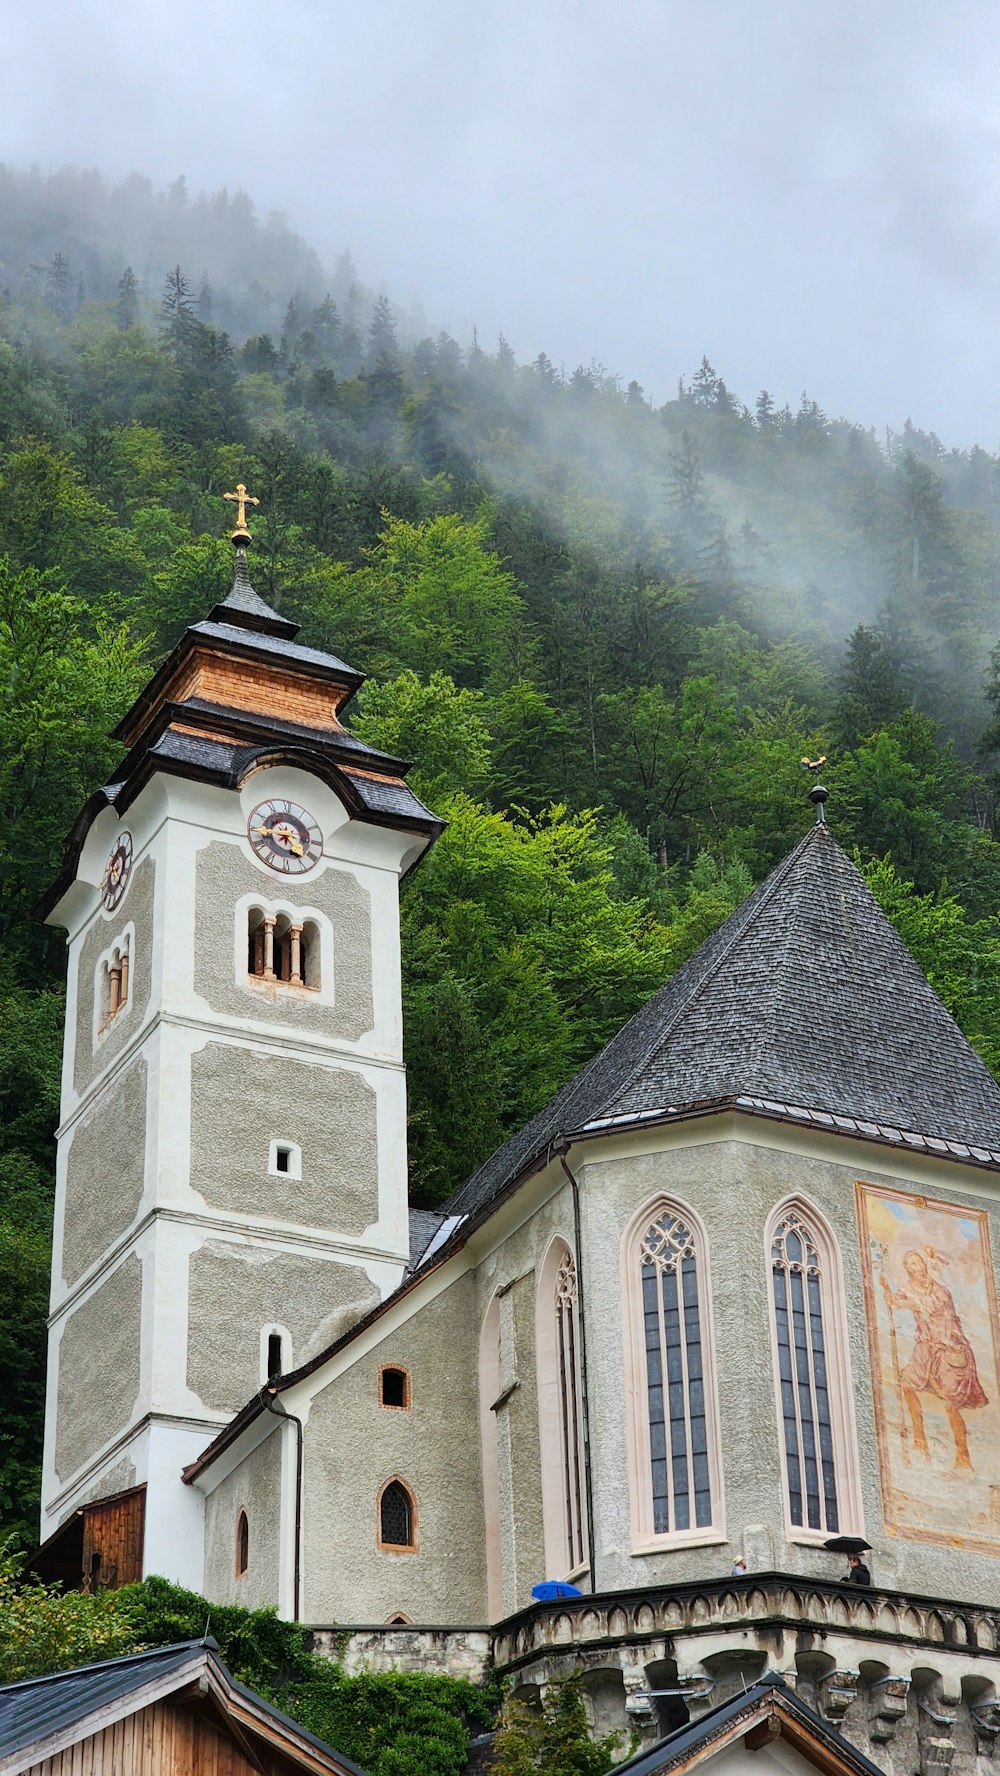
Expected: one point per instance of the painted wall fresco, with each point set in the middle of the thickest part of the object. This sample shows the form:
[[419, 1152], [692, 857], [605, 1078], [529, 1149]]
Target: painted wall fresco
[[934, 1337]]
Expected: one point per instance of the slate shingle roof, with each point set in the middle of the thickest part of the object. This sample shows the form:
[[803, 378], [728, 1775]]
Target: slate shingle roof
[[805, 997]]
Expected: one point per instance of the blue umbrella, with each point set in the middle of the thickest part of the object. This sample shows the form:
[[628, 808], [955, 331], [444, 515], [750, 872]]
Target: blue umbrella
[[550, 1588]]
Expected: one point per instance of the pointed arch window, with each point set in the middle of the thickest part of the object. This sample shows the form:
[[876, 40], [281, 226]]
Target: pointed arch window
[[397, 1518], [813, 1384], [242, 1544], [560, 1412], [677, 1476]]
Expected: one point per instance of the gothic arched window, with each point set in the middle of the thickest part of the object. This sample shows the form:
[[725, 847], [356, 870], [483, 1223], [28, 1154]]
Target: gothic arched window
[[242, 1544], [811, 1370], [397, 1518], [560, 1412], [675, 1443]]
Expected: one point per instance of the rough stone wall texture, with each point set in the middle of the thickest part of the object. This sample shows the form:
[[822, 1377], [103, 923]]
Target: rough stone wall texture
[[254, 1487], [522, 1413], [234, 1290], [461, 1652], [734, 1186], [136, 909], [514, 1270], [241, 1101], [98, 1367], [352, 1445], [105, 1169], [224, 876]]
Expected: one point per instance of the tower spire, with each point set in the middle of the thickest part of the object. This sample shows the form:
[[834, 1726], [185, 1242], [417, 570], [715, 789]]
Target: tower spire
[[244, 607]]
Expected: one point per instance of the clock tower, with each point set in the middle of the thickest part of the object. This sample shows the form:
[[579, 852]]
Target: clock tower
[[231, 1188]]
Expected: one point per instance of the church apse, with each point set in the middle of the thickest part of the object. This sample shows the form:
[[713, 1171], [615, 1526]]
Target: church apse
[[934, 1338]]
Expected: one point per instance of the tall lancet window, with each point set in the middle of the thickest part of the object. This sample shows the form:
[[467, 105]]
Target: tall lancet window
[[811, 1363], [675, 1457], [560, 1413]]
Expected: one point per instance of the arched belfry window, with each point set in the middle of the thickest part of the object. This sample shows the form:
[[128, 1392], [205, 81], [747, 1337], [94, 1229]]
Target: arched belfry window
[[397, 1518], [560, 1412], [813, 1385], [677, 1479]]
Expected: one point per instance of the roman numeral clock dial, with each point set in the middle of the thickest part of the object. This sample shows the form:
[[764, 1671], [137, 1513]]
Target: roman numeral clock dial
[[285, 837]]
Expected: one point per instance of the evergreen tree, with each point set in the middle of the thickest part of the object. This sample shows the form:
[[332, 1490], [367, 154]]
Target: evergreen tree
[[127, 305], [177, 317], [382, 332], [870, 691]]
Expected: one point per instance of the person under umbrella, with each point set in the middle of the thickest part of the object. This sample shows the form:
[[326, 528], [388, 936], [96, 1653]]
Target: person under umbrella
[[853, 1546]]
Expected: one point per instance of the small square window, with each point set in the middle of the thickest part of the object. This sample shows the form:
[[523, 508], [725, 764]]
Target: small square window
[[284, 1159]]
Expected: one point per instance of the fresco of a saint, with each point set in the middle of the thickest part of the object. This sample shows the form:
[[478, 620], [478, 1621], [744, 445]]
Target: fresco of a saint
[[934, 1340]]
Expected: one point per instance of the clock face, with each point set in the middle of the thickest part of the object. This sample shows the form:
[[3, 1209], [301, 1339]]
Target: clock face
[[115, 878], [285, 837]]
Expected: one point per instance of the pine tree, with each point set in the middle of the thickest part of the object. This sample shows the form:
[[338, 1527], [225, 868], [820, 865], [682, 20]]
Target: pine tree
[[58, 283], [382, 332], [870, 691], [177, 317]]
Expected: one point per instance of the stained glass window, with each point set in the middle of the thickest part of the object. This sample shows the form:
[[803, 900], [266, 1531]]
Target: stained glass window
[[675, 1377], [801, 1333]]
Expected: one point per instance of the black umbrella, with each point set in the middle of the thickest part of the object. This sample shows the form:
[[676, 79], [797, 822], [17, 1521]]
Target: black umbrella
[[847, 1545]]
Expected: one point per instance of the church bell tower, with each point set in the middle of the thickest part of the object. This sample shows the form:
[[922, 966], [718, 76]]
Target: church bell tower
[[231, 1188]]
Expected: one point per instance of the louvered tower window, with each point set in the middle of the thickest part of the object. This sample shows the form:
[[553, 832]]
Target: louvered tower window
[[801, 1324], [680, 1469]]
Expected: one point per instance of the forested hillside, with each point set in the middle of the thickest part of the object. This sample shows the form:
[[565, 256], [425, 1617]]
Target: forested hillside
[[606, 633]]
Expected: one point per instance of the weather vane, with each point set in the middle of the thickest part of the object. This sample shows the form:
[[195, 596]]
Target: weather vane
[[819, 792], [243, 500]]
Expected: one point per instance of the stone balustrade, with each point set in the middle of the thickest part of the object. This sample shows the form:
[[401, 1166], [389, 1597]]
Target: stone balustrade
[[913, 1681], [774, 1602]]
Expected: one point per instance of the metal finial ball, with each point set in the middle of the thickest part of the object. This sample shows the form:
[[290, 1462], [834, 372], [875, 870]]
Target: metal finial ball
[[819, 793]]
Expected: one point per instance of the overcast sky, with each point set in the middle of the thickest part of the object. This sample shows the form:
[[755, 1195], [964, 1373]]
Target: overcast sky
[[806, 193]]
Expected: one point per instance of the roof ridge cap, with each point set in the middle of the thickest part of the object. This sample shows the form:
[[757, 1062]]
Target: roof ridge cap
[[769, 888], [201, 1644]]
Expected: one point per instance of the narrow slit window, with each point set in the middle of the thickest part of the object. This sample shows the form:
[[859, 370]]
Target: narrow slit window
[[282, 1159], [242, 1544], [394, 1388], [396, 1516], [275, 1355]]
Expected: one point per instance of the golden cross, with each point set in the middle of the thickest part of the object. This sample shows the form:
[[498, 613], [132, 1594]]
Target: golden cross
[[243, 500]]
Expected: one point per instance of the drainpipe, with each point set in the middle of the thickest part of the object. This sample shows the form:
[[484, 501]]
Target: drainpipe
[[269, 1398], [588, 1481]]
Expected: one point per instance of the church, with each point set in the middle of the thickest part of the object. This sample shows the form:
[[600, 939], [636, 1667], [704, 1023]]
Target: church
[[729, 1297]]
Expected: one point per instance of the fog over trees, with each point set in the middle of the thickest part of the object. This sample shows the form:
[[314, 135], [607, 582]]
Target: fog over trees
[[605, 629]]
